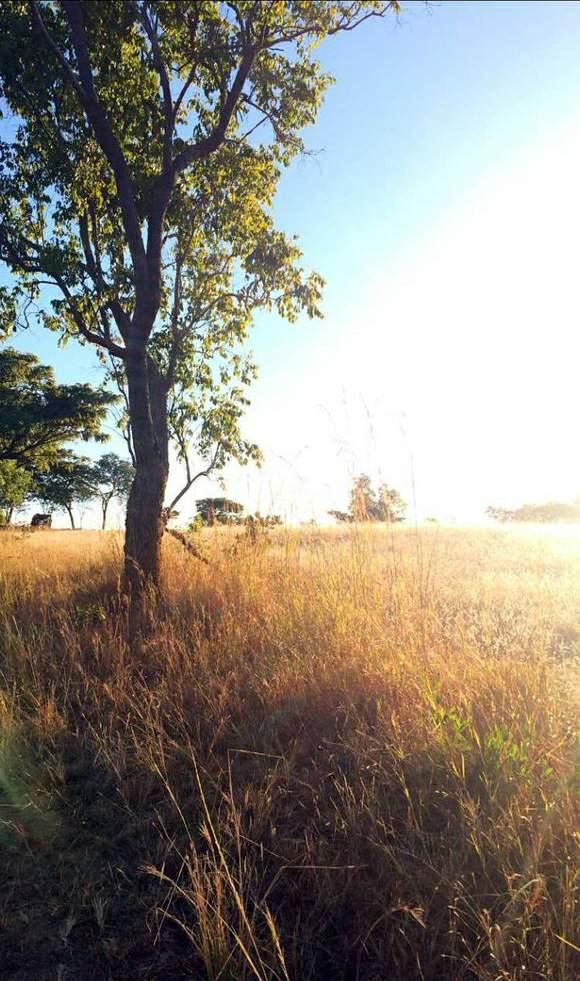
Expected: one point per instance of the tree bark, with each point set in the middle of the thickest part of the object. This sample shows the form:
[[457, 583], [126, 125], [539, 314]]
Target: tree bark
[[144, 529], [72, 518], [145, 521], [104, 507]]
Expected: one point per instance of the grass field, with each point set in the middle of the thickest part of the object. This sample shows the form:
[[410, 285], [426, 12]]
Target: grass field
[[341, 755]]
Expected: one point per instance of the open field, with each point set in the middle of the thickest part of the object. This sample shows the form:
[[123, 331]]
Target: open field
[[343, 754]]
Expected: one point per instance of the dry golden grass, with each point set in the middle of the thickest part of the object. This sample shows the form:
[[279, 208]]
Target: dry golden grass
[[341, 755]]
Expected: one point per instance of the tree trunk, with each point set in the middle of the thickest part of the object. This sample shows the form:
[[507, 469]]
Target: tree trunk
[[104, 506], [8, 515], [144, 528], [72, 518], [145, 522]]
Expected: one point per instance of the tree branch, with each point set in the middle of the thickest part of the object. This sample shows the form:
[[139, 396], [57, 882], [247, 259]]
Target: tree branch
[[188, 546], [192, 479], [83, 85], [122, 389], [201, 150], [115, 349], [94, 268], [161, 68]]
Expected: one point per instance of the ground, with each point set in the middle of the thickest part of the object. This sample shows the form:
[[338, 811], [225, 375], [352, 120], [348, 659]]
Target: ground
[[343, 754]]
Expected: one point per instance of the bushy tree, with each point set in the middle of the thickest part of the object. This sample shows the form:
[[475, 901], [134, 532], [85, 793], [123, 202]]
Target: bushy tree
[[219, 510], [139, 183], [367, 504], [362, 498], [38, 416], [15, 483], [389, 505], [64, 483], [344, 516], [552, 511], [500, 514]]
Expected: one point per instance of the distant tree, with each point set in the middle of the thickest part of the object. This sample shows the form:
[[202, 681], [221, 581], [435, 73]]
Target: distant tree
[[366, 504], [15, 483], [500, 514], [110, 478], [63, 484], [389, 506], [219, 510], [362, 498], [552, 511], [345, 516], [38, 416]]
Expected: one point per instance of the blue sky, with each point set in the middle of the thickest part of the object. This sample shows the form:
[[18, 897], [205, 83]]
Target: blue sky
[[441, 205]]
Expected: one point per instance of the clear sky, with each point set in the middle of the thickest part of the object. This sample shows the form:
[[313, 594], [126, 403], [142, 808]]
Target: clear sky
[[443, 208]]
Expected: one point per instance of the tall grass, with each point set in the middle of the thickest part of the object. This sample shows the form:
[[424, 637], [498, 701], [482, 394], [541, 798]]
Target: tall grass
[[341, 755]]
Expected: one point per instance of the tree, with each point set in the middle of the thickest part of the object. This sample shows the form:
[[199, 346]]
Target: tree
[[362, 499], [219, 510], [65, 482], [343, 516], [15, 483], [37, 416], [110, 478], [390, 506], [553, 511], [139, 185], [500, 514], [366, 504]]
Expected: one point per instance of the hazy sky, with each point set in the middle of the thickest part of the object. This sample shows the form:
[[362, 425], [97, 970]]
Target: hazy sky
[[443, 209]]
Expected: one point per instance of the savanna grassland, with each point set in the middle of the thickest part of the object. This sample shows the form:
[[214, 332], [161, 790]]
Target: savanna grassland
[[339, 755]]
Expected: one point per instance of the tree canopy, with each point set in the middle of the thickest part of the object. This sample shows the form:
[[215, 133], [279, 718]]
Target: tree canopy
[[15, 484], [38, 416]]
